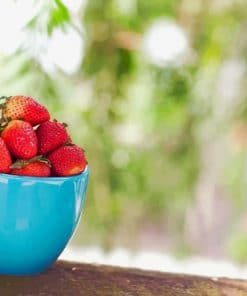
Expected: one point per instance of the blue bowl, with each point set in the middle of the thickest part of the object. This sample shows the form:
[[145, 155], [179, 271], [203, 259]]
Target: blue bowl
[[38, 217]]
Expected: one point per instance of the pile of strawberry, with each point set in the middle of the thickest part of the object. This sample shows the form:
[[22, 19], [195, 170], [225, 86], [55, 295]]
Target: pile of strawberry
[[33, 145]]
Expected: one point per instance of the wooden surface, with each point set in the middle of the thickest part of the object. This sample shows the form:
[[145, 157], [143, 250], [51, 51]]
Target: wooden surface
[[73, 279]]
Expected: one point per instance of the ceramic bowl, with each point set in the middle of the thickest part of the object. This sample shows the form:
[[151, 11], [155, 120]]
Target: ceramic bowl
[[38, 217]]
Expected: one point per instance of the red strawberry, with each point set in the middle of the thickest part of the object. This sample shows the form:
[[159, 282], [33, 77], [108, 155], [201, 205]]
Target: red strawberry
[[35, 167], [5, 159], [24, 108], [51, 135], [20, 139], [68, 161]]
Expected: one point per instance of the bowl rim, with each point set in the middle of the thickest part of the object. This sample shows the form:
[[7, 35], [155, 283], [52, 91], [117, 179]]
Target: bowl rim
[[28, 178]]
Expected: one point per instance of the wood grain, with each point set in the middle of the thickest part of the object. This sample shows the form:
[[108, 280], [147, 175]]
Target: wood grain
[[73, 279]]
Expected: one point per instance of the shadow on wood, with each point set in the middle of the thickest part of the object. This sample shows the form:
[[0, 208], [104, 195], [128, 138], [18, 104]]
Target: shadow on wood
[[74, 279]]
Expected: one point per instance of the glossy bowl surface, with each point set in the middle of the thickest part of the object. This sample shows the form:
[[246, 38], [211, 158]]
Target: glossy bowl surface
[[38, 217]]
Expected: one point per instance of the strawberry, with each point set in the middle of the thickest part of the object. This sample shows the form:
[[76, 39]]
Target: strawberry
[[5, 160], [24, 108], [67, 161], [51, 135], [20, 139], [36, 167]]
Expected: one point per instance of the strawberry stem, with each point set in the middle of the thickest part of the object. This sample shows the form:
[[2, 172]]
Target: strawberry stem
[[3, 124], [63, 123], [3, 97], [68, 144], [20, 163]]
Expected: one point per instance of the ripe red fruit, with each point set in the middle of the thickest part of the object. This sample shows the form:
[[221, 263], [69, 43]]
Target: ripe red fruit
[[24, 108], [68, 161], [5, 159], [33, 169], [51, 135], [20, 139]]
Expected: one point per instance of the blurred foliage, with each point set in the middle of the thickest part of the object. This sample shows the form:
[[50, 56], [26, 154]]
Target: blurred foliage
[[150, 180]]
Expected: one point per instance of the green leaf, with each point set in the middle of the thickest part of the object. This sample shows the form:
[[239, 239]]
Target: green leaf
[[59, 16]]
